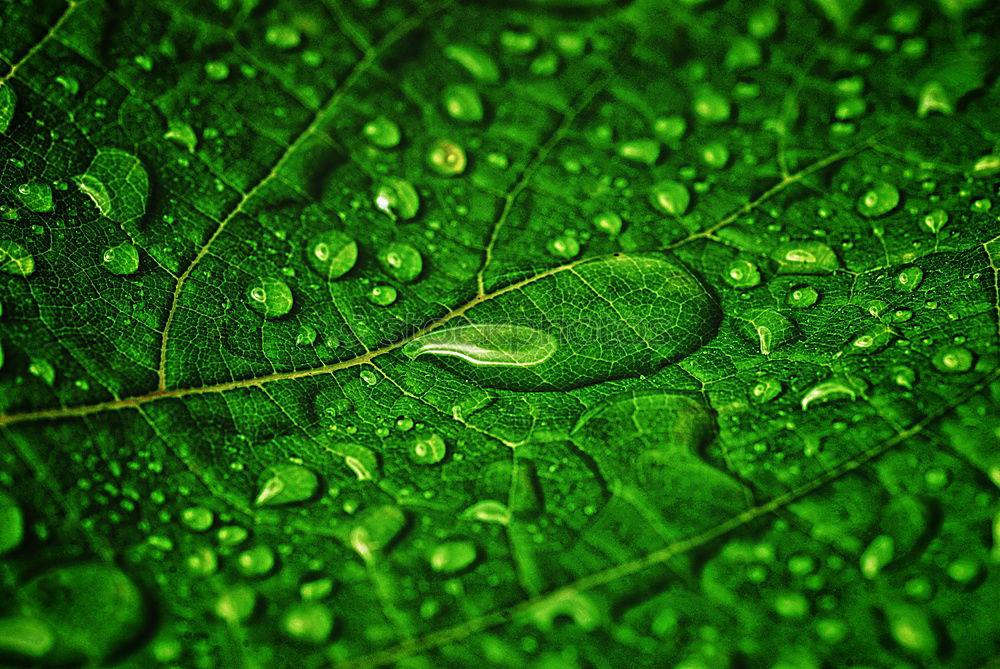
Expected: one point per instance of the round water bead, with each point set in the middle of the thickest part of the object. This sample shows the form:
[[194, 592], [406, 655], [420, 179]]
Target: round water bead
[[742, 274], [446, 158], [879, 200], [331, 254], [271, 297], [802, 296], [564, 246], [608, 222], [428, 448], [382, 295], [953, 359], [401, 261], [382, 132], [121, 259]]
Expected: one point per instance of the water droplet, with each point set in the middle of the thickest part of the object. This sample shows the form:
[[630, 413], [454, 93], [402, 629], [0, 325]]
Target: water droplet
[[463, 103], [771, 330], [805, 258], [331, 254], [8, 102], [236, 603], [256, 561], [11, 524], [122, 259], [368, 377], [934, 220], [953, 359], [984, 167], [117, 183], [850, 109], [270, 297], [878, 554], [428, 448], [715, 154], [644, 151], [397, 198], [802, 297], [672, 197], [309, 623], [93, 611], [911, 628], [482, 345], [15, 259], [382, 295], [934, 98], [232, 535], [875, 339], [964, 570], [518, 42], [608, 222], [879, 200], [197, 518], [216, 70], [711, 106], [283, 36], [382, 132], [904, 377], [36, 196], [743, 54], [742, 274], [446, 158], [982, 205], [306, 336], [375, 531], [476, 61], [404, 424], [488, 511], [401, 261], [766, 389], [316, 589], [564, 246], [837, 387], [449, 557], [183, 134], [670, 128], [909, 278], [43, 369], [285, 483]]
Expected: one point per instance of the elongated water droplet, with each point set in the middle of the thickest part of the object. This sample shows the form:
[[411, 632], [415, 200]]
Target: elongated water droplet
[[15, 259], [183, 134], [43, 369], [122, 259], [873, 340], [986, 166], [36, 196], [8, 103], [481, 345], [911, 628], [770, 330], [117, 183], [375, 531], [401, 261], [489, 511], [450, 557], [446, 158], [23, 637], [463, 103], [397, 198], [331, 254], [476, 61], [805, 258], [878, 554], [835, 388], [286, 483], [360, 460], [644, 151]]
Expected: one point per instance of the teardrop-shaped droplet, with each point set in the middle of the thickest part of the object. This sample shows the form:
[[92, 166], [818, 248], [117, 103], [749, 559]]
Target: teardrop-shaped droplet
[[672, 197], [742, 274], [286, 483], [476, 62], [382, 295], [375, 531], [397, 198], [909, 278]]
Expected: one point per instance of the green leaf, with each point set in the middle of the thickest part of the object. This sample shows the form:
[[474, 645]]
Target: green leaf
[[536, 334]]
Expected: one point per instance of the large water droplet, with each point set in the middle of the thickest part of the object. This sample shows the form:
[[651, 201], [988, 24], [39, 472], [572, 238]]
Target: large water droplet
[[401, 261], [308, 622], [505, 345], [117, 183], [397, 198], [742, 274], [15, 259], [331, 254], [36, 196], [271, 297], [953, 359], [909, 278]]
